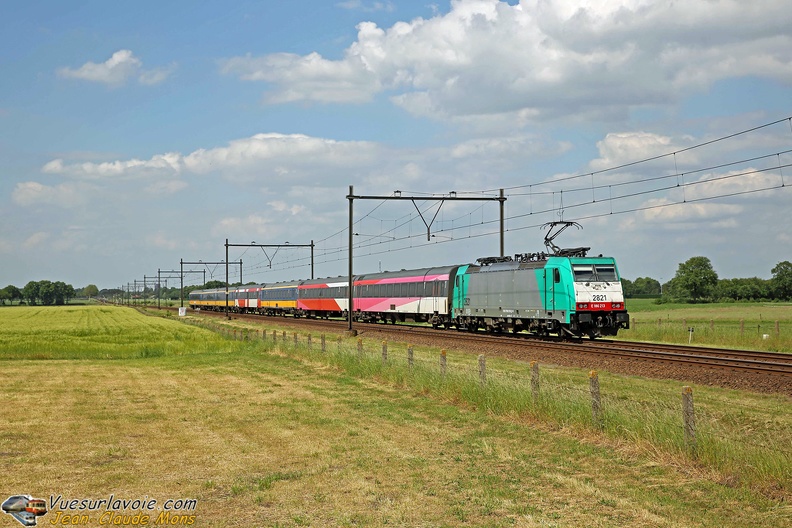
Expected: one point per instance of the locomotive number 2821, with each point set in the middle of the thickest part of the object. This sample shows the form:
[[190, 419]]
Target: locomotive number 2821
[[599, 298]]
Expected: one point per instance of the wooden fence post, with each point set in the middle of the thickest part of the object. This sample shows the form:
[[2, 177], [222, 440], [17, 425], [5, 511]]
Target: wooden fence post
[[443, 363], [596, 403], [410, 356], [384, 353], [689, 417], [482, 362], [295, 339], [535, 380], [324, 344], [284, 336], [310, 343]]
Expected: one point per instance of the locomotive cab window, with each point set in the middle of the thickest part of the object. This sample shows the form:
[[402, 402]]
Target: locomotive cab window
[[595, 273], [583, 272], [606, 273]]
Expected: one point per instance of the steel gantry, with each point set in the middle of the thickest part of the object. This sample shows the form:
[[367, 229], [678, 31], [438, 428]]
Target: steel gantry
[[397, 195], [262, 246]]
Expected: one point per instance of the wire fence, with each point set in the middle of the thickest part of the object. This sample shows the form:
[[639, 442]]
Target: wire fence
[[742, 438], [773, 335]]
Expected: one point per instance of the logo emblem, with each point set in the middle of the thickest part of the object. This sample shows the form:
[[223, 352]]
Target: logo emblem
[[24, 508]]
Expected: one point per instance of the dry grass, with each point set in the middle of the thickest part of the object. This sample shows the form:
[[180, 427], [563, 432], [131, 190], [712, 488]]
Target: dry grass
[[261, 439]]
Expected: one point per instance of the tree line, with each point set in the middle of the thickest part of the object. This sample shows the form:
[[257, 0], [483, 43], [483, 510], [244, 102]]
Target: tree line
[[697, 281], [156, 292], [45, 292]]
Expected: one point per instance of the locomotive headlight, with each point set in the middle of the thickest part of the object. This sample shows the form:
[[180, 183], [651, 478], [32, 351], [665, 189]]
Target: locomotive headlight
[[582, 306], [617, 306]]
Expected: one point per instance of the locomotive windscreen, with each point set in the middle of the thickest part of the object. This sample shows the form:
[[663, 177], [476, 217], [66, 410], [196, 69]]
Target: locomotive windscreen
[[595, 273]]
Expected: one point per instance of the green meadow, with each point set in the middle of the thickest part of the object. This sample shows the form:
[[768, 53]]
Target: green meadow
[[264, 432], [751, 326]]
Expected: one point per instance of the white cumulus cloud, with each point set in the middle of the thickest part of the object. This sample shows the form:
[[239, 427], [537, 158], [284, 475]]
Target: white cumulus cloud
[[280, 156], [37, 239], [539, 60], [120, 68], [283, 207], [168, 163], [253, 225], [366, 7], [65, 195]]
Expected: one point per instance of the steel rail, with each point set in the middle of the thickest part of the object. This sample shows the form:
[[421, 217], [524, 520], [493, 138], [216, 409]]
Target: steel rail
[[766, 363]]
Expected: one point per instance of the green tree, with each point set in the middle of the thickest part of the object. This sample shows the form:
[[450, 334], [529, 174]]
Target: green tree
[[47, 292], [646, 286], [91, 291], [31, 292], [781, 283], [12, 292], [63, 292], [696, 278], [627, 287], [752, 289]]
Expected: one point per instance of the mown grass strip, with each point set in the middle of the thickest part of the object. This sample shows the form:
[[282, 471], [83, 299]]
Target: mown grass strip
[[263, 433], [745, 438]]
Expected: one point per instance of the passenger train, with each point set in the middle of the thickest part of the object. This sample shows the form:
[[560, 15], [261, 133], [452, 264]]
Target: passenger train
[[564, 293]]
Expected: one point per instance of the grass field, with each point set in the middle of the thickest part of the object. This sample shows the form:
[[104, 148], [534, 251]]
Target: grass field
[[754, 326], [104, 400]]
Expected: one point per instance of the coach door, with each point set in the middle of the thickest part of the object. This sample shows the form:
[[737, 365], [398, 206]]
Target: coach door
[[436, 294]]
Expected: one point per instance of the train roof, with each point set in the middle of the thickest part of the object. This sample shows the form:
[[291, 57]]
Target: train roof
[[420, 272]]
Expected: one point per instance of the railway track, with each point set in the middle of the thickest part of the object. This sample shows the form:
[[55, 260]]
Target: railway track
[[768, 362], [742, 367], [735, 360]]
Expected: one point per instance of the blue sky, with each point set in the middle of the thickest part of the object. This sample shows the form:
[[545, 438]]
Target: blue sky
[[136, 135]]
